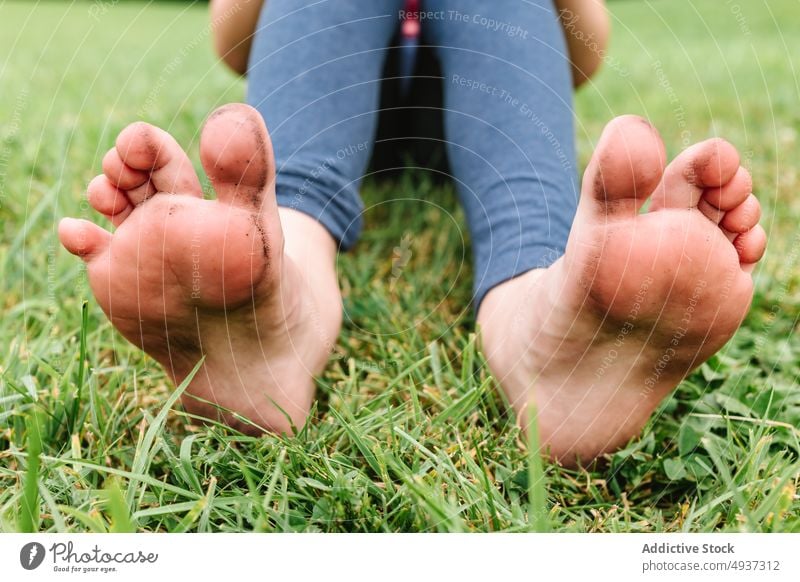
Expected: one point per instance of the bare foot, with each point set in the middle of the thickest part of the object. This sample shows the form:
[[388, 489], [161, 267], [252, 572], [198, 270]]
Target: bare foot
[[638, 301], [183, 277]]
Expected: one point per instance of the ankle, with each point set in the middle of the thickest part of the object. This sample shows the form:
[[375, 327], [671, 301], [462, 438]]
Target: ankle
[[311, 251]]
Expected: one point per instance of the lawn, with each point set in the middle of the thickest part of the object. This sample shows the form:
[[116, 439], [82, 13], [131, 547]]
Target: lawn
[[409, 433]]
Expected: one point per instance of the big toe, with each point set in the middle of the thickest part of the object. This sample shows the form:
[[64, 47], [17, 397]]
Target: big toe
[[626, 166], [236, 153]]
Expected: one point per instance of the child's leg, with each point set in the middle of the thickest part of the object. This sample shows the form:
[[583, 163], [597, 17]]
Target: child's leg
[[586, 25], [315, 75], [600, 336], [509, 126], [238, 281]]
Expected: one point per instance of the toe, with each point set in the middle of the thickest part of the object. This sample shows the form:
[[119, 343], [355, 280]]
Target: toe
[[83, 238], [709, 164], [151, 150], [626, 166], [743, 217], [108, 200], [732, 194], [236, 153], [710, 211], [120, 174], [751, 245]]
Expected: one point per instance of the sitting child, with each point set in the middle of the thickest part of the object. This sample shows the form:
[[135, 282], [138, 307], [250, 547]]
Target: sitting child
[[587, 306]]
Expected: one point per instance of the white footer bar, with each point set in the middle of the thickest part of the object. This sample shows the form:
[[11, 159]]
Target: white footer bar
[[406, 557]]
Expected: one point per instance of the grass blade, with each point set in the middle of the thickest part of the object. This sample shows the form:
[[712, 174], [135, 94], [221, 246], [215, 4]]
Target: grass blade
[[76, 402], [142, 458], [121, 521], [537, 488], [29, 514]]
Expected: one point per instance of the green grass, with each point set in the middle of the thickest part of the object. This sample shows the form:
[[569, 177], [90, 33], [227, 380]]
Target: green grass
[[409, 433]]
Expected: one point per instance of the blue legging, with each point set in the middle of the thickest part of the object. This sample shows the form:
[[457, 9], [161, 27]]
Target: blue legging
[[315, 75]]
